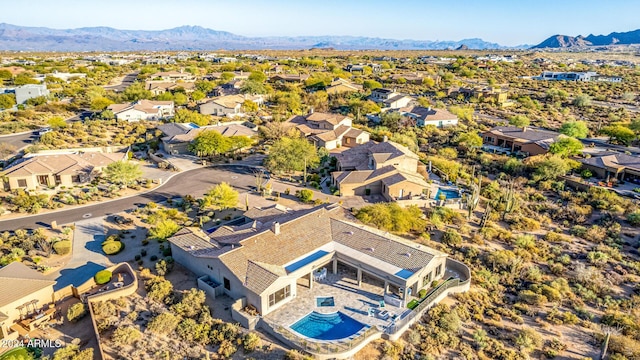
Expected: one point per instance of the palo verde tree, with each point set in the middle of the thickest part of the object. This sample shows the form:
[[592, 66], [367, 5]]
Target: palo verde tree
[[292, 154], [122, 172], [210, 143]]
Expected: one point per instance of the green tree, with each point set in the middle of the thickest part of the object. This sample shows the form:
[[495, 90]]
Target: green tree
[[191, 304], [470, 139], [180, 98], [582, 100], [188, 116], [220, 197], [253, 88], [210, 143], [24, 79], [292, 154], [258, 76], [163, 230], [519, 121], [249, 106], [371, 84], [7, 101], [567, 146], [392, 217], [122, 172], [576, 129], [620, 134], [76, 312], [100, 103], [198, 95], [5, 75], [239, 142], [135, 92], [72, 352], [553, 166], [57, 122]]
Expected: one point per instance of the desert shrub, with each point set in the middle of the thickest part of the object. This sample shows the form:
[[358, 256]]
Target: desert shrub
[[112, 246], [452, 238], [158, 289], [251, 341], [634, 218], [76, 312], [305, 195], [164, 323], [125, 335], [226, 349], [102, 277], [531, 298], [523, 223], [62, 247]]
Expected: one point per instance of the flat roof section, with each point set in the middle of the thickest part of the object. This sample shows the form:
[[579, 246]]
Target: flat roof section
[[305, 261]]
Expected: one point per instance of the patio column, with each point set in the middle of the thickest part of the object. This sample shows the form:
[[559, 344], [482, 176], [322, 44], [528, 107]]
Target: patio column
[[311, 280], [359, 277], [386, 286], [335, 266]]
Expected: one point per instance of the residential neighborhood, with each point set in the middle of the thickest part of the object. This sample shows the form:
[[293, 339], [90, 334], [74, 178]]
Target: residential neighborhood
[[192, 193]]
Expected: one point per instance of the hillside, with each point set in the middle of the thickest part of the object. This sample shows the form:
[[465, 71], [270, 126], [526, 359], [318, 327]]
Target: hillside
[[566, 41]]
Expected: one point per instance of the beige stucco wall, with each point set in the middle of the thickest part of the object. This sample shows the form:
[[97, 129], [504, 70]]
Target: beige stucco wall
[[44, 297], [408, 189]]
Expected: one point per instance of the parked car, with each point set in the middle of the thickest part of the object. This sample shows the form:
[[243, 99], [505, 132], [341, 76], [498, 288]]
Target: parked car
[[121, 220], [43, 131]]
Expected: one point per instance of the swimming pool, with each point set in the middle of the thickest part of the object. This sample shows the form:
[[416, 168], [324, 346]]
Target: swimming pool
[[448, 194], [332, 326], [325, 301]]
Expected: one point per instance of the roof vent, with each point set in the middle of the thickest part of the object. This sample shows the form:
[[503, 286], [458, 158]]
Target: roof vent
[[191, 247], [407, 254], [350, 232], [275, 228], [372, 249]]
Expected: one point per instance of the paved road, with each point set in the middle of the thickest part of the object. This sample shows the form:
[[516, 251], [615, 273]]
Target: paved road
[[126, 81], [20, 140], [195, 182]]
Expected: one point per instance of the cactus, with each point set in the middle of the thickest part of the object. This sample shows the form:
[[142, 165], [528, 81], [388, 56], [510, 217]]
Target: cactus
[[474, 198], [509, 200]]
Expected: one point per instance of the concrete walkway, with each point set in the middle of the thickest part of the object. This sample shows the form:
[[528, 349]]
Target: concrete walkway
[[87, 257]]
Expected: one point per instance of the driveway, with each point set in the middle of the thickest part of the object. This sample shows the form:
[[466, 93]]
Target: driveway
[[87, 257]]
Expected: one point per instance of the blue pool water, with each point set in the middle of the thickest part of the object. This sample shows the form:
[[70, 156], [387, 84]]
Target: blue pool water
[[193, 126], [404, 273], [448, 194], [307, 260], [327, 326], [325, 301]]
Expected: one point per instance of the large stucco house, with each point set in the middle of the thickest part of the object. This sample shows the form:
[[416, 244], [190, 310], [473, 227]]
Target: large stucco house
[[67, 169], [390, 99], [264, 262], [229, 105], [385, 168], [25, 294], [143, 110], [520, 140], [329, 130], [178, 136]]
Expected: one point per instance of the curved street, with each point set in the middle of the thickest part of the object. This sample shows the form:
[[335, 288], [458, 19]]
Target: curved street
[[194, 182]]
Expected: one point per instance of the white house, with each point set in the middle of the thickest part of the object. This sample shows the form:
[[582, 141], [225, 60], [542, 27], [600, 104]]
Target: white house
[[390, 99], [423, 116], [143, 110], [230, 105]]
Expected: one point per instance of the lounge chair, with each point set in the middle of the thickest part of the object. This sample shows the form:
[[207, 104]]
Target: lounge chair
[[381, 303]]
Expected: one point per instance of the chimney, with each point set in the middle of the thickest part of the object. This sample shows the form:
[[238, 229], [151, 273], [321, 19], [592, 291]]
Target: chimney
[[310, 110], [385, 138], [275, 228], [524, 129]]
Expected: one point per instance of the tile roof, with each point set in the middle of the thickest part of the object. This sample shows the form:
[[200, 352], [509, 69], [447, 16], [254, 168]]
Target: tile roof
[[614, 161], [526, 134], [18, 281], [427, 114], [62, 164], [257, 258], [331, 118], [383, 151]]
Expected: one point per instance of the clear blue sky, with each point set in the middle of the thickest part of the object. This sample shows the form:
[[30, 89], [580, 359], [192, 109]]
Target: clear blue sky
[[508, 22]]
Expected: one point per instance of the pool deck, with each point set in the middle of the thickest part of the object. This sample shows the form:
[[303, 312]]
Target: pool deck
[[349, 299]]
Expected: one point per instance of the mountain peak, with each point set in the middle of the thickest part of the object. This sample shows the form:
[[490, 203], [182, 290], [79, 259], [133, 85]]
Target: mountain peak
[[566, 41]]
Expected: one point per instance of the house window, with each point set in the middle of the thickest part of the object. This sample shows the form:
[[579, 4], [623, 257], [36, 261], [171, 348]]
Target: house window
[[427, 279], [279, 295], [58, 181], [22, 183], [439, 270], [227, 283], [75, 178]]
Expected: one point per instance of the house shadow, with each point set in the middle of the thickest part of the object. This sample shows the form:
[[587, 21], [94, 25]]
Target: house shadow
[[95, 245], [358, 311], [77, 276]]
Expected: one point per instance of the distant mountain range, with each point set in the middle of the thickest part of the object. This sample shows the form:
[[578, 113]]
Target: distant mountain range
[[14, 37], [615, 38]]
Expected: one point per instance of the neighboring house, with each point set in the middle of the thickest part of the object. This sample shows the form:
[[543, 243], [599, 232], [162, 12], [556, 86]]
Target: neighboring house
[[423, 116], [233, 87], [488, 94], [360, 67], [173, 76], [289, 78], [229, 105], [177, 137], [390, 99], [339, 85], [266, 263], [45, 171], [610, 165], [385, 168], [328, 130], [62, 76], [160, 87], [237, 75], [25, 295], [512, 139], [576, 76], [143, 110], [30, 91]]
